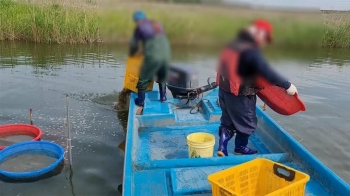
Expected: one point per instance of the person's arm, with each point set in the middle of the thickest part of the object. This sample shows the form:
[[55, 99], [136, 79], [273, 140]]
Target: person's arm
[[264, 69], [134, 43]]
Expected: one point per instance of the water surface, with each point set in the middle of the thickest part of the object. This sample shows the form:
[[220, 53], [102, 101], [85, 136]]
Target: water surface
[[39, 77]]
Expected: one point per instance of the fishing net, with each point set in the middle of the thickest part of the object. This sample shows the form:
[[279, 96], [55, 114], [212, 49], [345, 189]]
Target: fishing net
[[30, 160], [16, 133], [123, 100], [122, 107]]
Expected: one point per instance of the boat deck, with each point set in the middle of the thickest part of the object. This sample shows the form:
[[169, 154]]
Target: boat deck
[[157, 162]]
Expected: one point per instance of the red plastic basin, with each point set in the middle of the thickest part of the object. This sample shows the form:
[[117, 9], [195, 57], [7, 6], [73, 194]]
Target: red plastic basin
[[20, 129]]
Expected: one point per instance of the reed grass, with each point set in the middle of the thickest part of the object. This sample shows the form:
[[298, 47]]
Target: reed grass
[[196, 25], [85, 21], [48, 23], [337, 30]]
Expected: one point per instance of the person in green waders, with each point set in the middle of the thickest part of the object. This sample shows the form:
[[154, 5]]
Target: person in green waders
[[157, 54]]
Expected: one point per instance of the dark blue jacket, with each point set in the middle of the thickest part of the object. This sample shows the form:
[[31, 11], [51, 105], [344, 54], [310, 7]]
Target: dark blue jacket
[[238, 112], [146, 30], [145, 33]]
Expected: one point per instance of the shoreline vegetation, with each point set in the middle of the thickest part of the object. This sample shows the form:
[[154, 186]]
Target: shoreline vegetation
[[185, 24]]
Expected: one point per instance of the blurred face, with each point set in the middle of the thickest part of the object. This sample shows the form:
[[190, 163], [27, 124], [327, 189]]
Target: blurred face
[[259, 35], [261, 38]]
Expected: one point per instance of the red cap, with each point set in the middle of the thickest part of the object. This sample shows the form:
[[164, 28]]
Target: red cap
[[266, 26]]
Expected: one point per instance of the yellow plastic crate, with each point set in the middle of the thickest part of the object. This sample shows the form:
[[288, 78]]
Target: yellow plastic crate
[[133, 65], [259, 177]]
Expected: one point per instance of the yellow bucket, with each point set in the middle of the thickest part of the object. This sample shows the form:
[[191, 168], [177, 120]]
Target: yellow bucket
[[200, 145]]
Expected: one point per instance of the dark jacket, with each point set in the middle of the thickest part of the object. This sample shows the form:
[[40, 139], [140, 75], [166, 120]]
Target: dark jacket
[[154, 41], [239, 112], [252, 62]]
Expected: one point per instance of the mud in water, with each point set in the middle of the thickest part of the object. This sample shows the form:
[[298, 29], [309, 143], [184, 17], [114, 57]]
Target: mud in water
[[123, 100], [26, 162], [123, 107]]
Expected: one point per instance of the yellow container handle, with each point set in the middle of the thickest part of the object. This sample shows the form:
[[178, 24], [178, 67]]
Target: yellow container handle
[[277, 171]]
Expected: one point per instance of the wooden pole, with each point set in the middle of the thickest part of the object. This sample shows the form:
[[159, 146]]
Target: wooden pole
[[69, 134], [31, 116]]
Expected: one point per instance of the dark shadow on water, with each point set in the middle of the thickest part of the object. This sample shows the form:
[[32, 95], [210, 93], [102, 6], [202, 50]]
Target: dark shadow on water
[[118, 102], [55, 172], [123, 119], [122, 115], [120, 188], [123, 107], [70, 178]]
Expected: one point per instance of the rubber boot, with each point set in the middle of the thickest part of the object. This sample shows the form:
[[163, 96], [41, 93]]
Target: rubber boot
[[241, 147], [225, 136], [162, 93], [140, 102]]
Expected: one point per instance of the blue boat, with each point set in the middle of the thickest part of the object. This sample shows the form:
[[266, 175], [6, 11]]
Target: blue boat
[[157, 163]]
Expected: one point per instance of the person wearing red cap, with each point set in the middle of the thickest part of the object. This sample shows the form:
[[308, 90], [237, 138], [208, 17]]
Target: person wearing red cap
[[240, 63]]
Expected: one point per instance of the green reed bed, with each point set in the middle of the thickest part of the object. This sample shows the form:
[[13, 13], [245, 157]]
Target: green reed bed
[[50, 23], [203, 25], [337, 30]]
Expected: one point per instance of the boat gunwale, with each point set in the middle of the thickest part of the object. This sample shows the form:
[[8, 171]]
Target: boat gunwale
[[127, 171], [306, 158]]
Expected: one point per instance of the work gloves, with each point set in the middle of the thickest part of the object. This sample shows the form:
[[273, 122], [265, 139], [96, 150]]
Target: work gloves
[[292, 90]]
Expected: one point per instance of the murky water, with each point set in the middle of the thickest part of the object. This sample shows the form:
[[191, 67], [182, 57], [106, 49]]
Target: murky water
[[39, 77], [12, 139], [27, 162]]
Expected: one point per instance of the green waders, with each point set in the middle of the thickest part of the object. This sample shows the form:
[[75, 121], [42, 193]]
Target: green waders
[[156, 62]]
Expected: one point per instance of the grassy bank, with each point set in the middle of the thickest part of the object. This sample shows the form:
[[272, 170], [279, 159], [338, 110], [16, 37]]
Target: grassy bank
[[186, 25], [337, 30], [204, 25], [48, 23]]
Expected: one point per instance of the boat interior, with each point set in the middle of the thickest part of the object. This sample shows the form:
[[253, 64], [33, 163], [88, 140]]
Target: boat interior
[[157, 160]]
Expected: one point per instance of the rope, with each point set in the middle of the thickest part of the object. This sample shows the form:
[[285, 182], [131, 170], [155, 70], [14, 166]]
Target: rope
[[196, 106]]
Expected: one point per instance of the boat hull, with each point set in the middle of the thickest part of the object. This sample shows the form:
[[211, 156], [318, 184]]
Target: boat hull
[[156, 156]]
